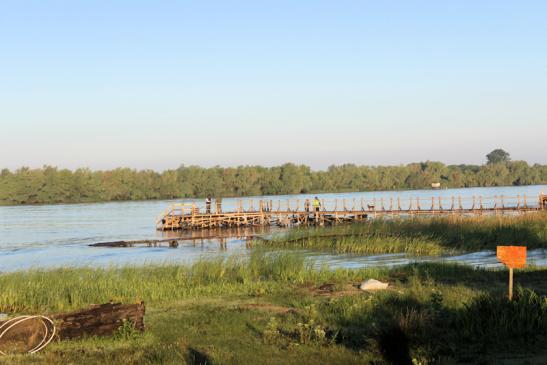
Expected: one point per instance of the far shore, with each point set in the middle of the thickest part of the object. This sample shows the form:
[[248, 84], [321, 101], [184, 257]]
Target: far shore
[[310, 194]]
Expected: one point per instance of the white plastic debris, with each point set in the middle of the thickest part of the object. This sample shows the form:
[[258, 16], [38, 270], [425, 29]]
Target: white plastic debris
[[372, 284]]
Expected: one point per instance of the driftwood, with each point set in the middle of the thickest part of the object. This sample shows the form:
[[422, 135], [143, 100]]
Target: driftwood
[[173, 242], [99, 320]]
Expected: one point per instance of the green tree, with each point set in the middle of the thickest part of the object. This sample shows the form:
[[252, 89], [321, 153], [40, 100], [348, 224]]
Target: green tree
[[497, 156]]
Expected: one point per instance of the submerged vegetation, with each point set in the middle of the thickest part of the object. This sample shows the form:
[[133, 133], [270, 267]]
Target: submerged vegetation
[[274, 308], [422, 235], [52, 185]]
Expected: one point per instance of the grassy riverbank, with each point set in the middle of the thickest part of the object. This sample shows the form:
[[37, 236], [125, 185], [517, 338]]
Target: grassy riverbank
[[422, 235], [275, 309]]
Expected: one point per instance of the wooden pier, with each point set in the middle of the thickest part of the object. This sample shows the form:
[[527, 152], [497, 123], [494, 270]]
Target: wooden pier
[[297, 212]]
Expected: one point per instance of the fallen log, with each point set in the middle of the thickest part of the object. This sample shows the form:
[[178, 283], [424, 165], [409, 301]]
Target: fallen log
[[134, 242], [173, 242], [99, 320]]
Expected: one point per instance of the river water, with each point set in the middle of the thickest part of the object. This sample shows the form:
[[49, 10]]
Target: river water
[[45, 236]]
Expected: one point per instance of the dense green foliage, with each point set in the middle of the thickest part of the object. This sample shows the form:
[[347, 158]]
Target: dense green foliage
[[421, 235], [52, 185], [275, 309], [497, 156]]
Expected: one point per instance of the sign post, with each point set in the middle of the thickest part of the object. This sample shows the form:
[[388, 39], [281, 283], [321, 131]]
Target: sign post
[[514, 257]]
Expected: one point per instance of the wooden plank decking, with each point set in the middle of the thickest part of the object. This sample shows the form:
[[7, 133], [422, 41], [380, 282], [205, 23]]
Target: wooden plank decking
[[300, 211]]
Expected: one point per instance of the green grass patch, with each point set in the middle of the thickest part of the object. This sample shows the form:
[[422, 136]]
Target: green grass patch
[[267, 310]]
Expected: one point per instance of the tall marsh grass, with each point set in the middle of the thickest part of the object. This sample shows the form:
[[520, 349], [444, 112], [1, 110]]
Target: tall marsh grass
[[491, 318], [422, 235], [69, 288]]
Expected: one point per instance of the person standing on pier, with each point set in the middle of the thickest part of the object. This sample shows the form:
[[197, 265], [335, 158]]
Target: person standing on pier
[[307, 205], [316, 204], [219, 204], [208, 204]]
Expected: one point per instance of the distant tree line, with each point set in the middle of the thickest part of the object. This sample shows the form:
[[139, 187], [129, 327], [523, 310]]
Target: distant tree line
[[52, 185]]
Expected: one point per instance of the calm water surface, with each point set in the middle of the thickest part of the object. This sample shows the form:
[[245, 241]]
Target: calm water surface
[[59, 235]]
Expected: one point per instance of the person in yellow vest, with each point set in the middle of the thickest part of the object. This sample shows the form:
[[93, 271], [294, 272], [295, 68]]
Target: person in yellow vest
[[316, 204]]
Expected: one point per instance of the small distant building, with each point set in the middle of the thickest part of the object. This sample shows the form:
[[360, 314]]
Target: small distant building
[[436, 185]]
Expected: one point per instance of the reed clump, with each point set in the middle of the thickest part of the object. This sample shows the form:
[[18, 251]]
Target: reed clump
[[490, 319], [422, 235]]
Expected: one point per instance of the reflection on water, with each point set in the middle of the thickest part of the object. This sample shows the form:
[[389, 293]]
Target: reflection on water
[[222, 234], [59, 235]]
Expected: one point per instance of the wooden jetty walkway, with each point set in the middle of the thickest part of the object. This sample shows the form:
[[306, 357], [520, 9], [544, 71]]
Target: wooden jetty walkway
[[293, 212]]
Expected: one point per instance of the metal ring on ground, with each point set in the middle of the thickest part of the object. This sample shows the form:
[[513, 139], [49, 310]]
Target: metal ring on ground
[[46, 322]]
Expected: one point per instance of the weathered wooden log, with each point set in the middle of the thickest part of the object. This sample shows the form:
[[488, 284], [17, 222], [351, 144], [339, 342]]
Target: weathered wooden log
[[174, 241], [99, 320]]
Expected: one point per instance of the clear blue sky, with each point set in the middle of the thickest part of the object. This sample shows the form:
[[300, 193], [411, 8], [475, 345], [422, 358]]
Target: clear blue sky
[[154, 84]]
